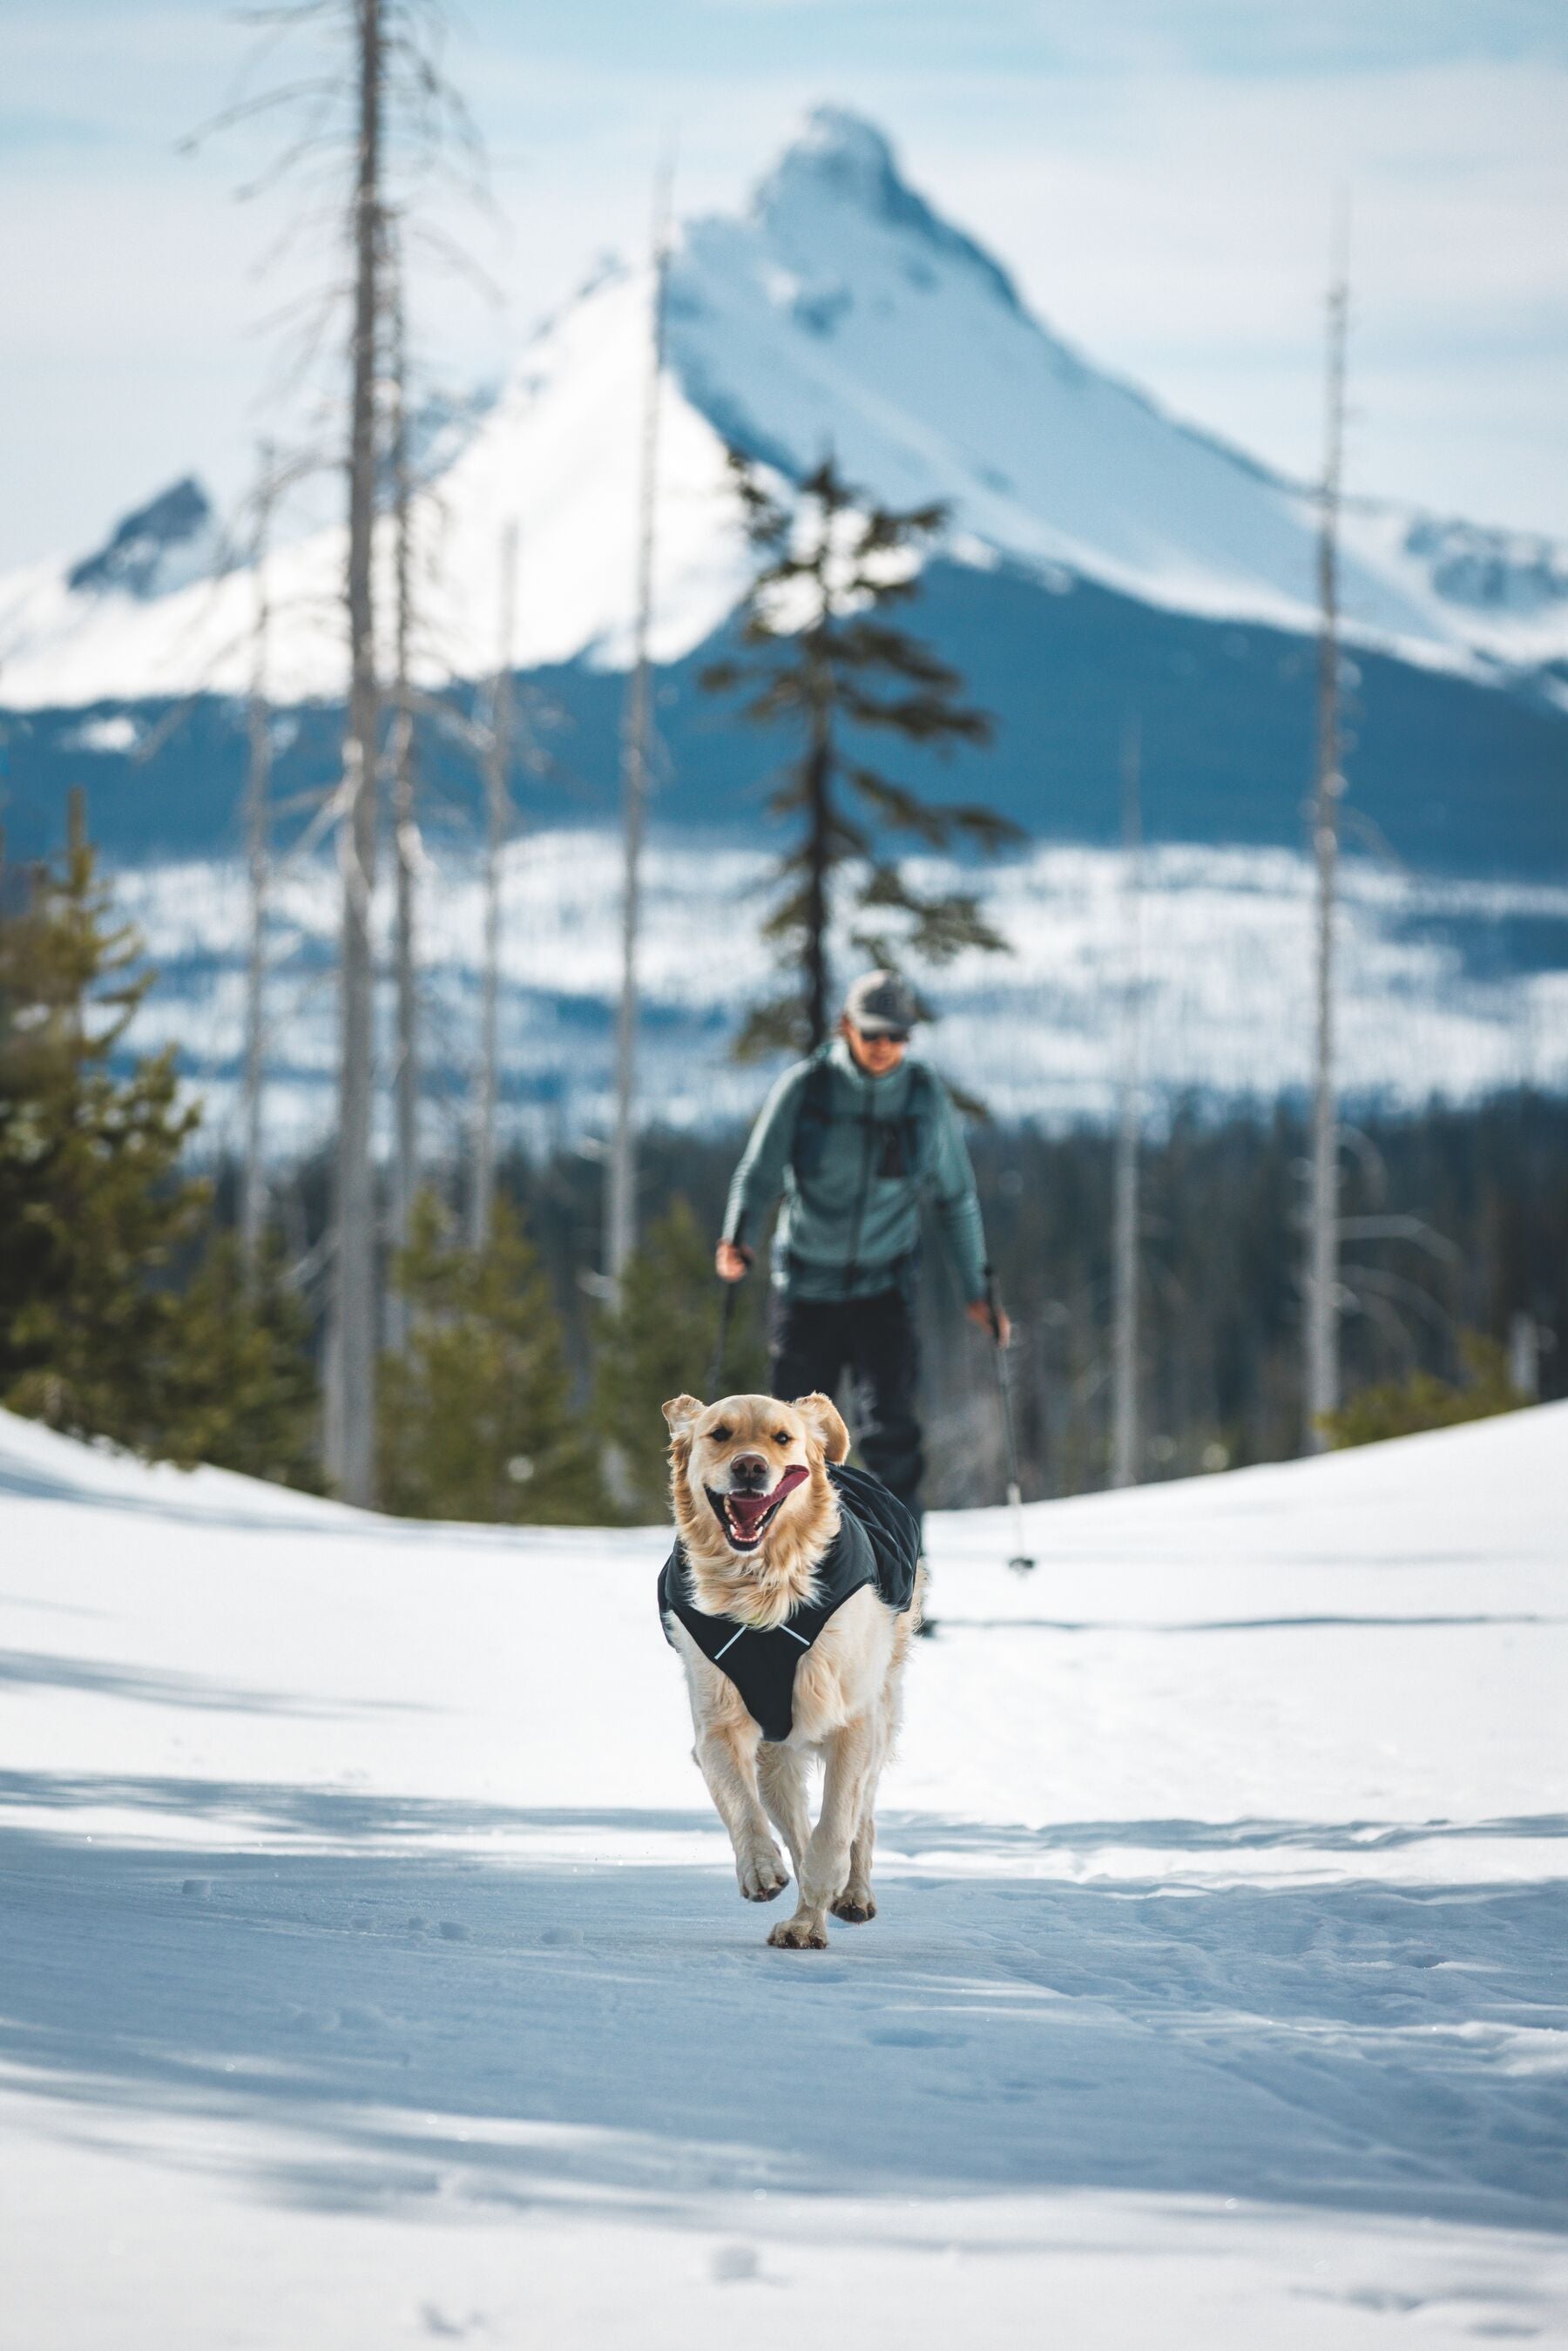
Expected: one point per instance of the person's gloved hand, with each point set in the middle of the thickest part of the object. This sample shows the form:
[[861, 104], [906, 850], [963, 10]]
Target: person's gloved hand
[[979, 1313]]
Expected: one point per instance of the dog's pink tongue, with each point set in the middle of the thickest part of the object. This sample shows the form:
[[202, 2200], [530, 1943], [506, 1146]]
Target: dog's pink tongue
[[748, 1511]]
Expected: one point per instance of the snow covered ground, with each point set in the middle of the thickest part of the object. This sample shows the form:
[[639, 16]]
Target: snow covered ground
[[373, 1970], [1431, 998]]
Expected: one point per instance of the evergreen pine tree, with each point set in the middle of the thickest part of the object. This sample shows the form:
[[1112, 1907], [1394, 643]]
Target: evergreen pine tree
[[244, 1394], [658, 1343], [92, 1210], [97, 1336], [475, 1419], [1421, 1400], [821, 657]]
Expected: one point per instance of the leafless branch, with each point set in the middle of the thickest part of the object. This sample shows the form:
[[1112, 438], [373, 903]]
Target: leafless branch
[[231, 117]]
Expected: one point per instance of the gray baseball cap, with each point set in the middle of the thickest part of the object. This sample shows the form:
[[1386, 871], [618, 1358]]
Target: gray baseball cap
[[880, 1004]]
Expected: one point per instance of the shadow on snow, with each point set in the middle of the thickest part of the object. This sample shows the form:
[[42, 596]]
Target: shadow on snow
[[532, 2030]]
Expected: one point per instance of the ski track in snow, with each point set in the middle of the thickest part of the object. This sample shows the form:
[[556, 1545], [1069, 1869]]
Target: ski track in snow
[[373, 1970]]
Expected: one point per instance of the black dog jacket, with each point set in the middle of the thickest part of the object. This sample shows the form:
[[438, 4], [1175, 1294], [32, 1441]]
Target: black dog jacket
[[878, 1542]]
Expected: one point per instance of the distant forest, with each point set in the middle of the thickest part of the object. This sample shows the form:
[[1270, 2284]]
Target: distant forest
[[1481, 1194]]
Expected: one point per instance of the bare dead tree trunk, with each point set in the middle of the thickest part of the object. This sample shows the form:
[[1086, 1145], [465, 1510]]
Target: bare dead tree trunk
[[621, 1198], [405, 1148], [820, 841], [352, 1331], [497, 760], [258, 785], [1322, 1286], [1125, 1337]]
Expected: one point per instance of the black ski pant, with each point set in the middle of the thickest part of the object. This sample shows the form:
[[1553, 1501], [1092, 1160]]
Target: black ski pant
[[816, 1341]]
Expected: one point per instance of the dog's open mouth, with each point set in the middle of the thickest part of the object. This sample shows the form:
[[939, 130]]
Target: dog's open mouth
[[746, 1517]]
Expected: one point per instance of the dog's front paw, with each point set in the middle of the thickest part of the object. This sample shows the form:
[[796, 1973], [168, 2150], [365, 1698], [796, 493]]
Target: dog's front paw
[[855, 1906], [798, 1934], [763, 1876]]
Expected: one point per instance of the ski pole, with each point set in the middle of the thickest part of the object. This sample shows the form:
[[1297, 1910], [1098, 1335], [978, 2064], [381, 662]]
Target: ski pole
[[1020, 1559]]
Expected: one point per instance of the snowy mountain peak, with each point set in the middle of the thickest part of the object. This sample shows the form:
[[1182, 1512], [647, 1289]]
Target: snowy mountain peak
[[161, 545], [839, 311], [844, 146], [841, 162]]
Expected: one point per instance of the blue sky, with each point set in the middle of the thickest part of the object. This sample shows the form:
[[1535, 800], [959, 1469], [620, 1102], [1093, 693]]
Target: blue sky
[[1158, 174]]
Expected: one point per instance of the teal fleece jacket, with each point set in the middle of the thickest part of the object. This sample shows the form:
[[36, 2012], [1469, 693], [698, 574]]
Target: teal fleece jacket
[[851, 1217]]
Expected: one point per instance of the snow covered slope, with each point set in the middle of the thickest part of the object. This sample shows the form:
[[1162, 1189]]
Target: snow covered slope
[[1428, 1005], [841, 311], [373, 1971]]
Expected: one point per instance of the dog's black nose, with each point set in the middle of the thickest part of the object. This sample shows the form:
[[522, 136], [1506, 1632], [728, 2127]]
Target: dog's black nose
[[750, 1471]]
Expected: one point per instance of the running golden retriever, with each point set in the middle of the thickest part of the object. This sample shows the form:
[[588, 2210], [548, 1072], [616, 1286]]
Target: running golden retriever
[[790, 1650]]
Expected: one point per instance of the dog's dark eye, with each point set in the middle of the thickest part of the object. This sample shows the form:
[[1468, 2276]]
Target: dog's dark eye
[[721, 1435], [782, 1436]]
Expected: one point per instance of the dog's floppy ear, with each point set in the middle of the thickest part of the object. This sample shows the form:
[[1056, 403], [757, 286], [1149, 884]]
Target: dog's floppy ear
[[683, 1412], [825, 1423]]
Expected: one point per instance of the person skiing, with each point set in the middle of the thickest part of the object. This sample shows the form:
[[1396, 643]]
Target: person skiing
[[851, 1138]]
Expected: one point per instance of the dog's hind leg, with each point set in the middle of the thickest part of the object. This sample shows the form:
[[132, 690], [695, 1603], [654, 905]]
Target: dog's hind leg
[[782, 1776], [854, 1905]]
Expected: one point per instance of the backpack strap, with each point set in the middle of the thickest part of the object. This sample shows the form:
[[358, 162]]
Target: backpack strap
[[813, 1115], [917, 1108]]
